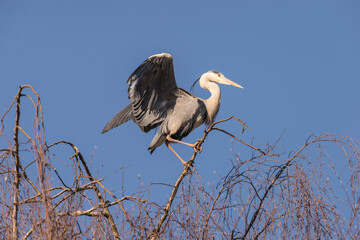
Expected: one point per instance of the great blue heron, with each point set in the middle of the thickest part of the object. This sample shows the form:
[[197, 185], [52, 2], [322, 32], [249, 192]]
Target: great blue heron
[[156, 101]]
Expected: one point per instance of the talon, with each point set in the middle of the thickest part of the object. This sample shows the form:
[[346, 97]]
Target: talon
[[198, 148]]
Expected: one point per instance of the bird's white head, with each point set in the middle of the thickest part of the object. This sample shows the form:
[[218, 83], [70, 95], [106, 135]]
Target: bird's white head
[[216, 77]]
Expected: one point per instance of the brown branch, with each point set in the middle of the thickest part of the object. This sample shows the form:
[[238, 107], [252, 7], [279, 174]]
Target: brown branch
[[17, 175], [90, 212], [63, 190]]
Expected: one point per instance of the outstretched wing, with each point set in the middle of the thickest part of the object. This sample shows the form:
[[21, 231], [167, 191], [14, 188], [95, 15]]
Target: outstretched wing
[[122, 117], [152, 89]]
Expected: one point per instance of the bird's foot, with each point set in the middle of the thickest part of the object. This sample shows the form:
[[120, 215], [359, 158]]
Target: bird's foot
[[197, 147]]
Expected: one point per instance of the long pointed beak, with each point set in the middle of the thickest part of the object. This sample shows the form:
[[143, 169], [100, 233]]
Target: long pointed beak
[[229, 82]]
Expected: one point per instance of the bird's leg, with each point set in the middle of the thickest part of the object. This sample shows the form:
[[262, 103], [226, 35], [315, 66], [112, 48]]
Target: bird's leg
[[168, 145], [170, 139], [194, 146]]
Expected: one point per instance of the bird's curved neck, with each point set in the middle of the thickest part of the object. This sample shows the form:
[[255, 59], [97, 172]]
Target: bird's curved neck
[[213, 102]]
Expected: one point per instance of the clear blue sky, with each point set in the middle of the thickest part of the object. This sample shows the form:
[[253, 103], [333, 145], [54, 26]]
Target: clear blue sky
[[299, 62]]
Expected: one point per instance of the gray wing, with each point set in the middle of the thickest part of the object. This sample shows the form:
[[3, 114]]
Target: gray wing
[[152, 88], [122, 117]]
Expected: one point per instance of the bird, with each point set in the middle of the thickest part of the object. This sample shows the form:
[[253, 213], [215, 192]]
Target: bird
[[157, 102]]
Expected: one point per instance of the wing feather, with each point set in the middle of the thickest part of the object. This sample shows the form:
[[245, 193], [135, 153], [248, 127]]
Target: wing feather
[[122, 117], [152, 88]]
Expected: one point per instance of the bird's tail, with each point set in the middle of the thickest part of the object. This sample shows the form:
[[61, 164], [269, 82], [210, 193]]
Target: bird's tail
[[122, 117], [156, 142]]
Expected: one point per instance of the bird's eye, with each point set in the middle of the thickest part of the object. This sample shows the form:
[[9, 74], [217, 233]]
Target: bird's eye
[[219, 74]]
